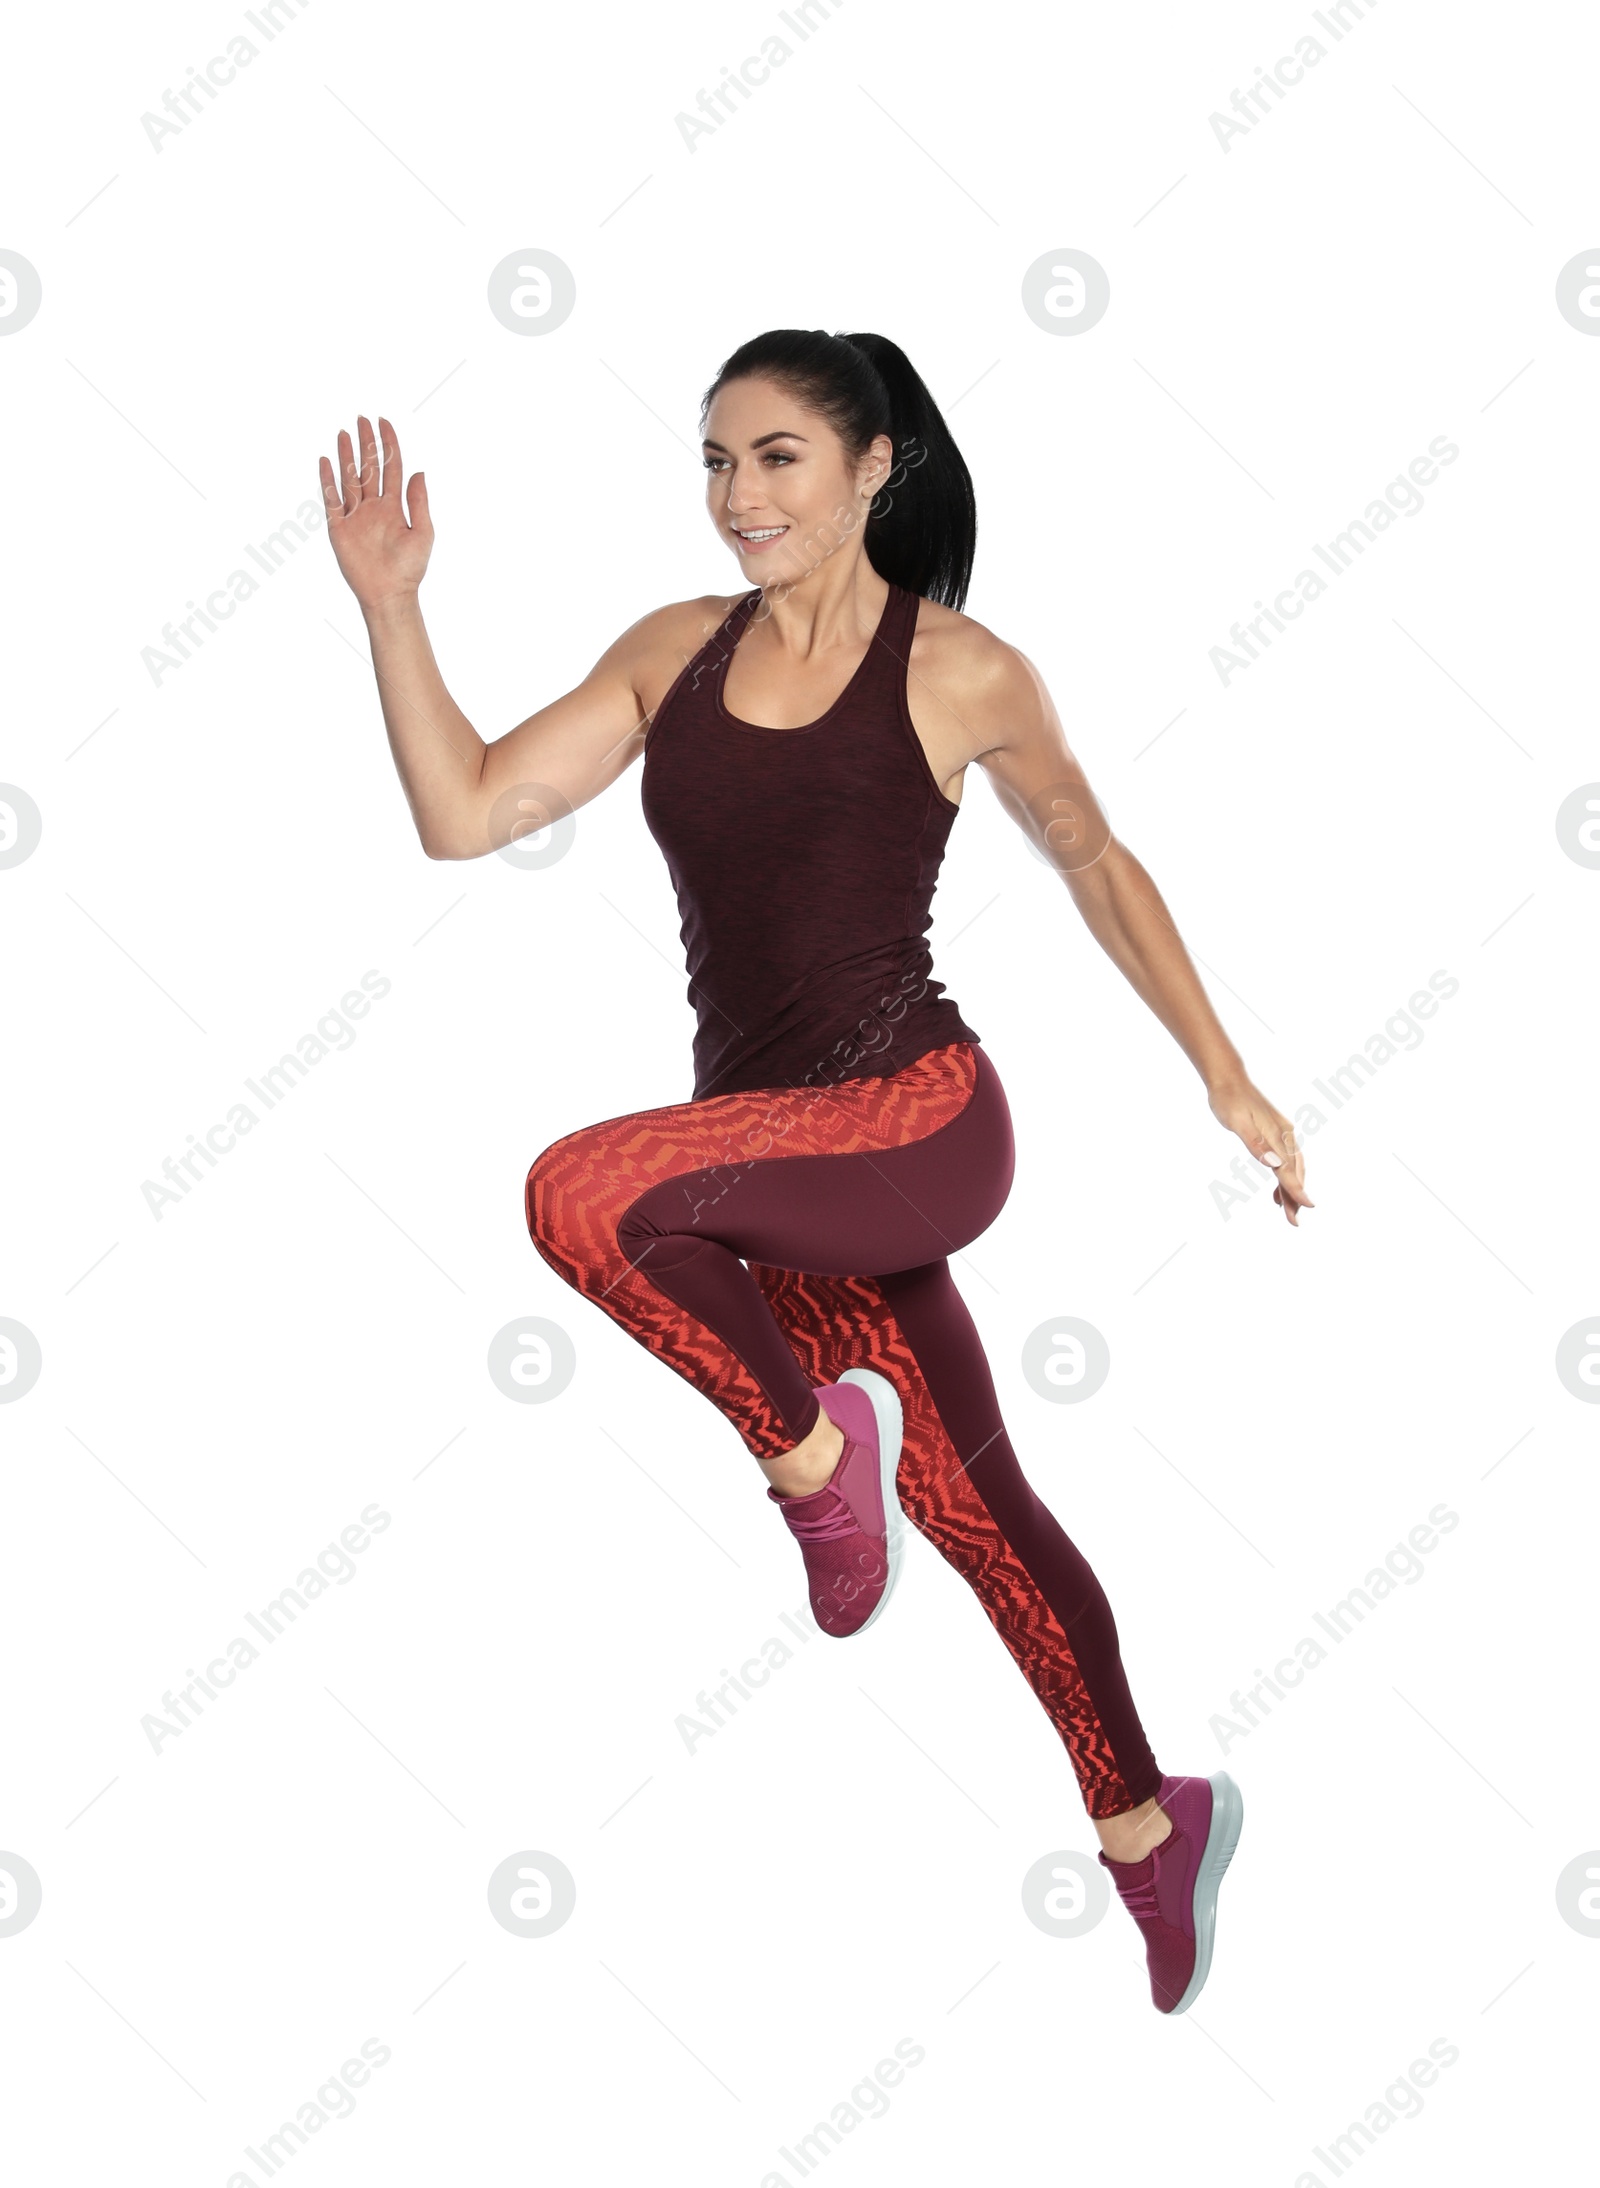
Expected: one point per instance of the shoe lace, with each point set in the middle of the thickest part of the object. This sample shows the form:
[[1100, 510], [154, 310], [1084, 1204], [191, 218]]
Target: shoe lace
[[1140, 1899], [833, 1523]]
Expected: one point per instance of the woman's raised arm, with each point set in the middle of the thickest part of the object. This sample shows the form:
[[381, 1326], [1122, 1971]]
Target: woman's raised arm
[[459, 788]]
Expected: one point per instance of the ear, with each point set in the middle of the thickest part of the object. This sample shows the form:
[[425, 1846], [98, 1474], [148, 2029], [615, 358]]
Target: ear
[[872, 471]]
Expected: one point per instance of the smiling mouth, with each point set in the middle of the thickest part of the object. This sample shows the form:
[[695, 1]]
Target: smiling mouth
[[759, 535]]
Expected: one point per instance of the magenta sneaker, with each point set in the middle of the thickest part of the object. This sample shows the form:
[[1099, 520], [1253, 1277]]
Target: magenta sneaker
[[1172, 1893], [851, 1530]]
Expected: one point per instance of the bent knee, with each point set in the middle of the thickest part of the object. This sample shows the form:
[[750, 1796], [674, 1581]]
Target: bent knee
[[553, 1196], [567, 1201]]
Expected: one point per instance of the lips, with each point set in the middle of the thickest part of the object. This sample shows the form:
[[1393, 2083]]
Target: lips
[[774, 534]]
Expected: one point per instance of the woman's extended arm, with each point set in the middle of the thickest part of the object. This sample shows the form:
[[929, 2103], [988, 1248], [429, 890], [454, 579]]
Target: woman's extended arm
[[1041, 784], [461, 790]]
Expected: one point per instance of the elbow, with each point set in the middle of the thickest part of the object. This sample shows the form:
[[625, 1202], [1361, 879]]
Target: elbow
[[437, 846], [445, 836]]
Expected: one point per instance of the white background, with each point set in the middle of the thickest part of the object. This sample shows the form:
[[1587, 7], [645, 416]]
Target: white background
[[1292, 320]]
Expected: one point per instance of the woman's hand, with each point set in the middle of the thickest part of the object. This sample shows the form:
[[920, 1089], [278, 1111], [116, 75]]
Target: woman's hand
[[381, 555], [1269, 1136]]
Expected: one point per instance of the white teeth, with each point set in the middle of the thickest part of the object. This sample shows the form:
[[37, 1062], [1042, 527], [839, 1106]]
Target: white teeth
[[771, 532]]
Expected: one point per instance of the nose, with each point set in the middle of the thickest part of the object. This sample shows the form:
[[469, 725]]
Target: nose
[[741, 496]]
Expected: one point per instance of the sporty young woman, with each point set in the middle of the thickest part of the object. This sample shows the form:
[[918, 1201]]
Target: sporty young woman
[[782, 1239]]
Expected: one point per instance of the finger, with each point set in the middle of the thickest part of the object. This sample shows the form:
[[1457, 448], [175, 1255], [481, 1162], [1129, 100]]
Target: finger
[[1291, 1204], [332, 506], [1291, 1163], [1261, 1137], [1273, 1143], [369, 460], [1291, 1195], [393, 470], [1291, 1177], [1282, 1153], [349, 475], [417, 503]]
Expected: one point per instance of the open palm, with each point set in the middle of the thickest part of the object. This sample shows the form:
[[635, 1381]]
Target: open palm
[[381, 539]]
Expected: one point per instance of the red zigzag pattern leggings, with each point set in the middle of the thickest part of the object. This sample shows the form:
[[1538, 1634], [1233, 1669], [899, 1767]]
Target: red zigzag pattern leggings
[[762, 1243]]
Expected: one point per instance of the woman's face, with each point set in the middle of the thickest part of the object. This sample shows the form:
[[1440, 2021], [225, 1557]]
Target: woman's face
[[778, 487]]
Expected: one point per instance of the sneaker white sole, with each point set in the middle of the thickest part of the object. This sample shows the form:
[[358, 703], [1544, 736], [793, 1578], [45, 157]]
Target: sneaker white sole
[[1227, 1815], [890, 1421]]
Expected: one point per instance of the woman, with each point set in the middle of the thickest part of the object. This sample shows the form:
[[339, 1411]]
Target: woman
[[782, 1239]]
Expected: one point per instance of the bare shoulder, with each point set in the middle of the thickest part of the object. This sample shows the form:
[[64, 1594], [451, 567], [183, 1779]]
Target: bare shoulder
[[656, 648], [969, 672]]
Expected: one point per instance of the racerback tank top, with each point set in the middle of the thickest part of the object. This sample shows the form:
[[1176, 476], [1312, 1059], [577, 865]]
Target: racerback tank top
[[804, 862]]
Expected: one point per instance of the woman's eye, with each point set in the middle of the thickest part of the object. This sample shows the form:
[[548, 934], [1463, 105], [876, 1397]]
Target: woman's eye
[[774, 455]]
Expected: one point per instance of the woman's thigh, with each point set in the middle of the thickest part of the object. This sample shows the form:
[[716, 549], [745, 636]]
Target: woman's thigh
[[925, 1166]]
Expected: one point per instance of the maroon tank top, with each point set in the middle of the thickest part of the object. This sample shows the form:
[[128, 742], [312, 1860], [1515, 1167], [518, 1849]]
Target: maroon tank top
[[805, 862]]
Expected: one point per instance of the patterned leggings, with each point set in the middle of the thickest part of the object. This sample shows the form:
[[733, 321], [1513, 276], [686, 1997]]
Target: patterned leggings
[[729, 1236]]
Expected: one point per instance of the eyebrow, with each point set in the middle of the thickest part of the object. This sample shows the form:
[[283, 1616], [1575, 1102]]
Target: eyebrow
[[782, 434]]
